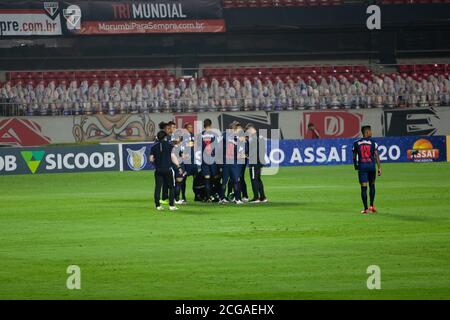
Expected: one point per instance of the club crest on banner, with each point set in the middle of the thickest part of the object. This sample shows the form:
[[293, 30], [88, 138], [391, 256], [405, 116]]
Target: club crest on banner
[[73, 17], [136, 159], [51, 8]]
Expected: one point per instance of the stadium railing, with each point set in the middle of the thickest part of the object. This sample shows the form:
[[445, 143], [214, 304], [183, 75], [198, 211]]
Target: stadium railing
[[321, 102]]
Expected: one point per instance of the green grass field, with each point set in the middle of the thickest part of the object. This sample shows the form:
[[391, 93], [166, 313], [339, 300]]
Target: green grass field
[[309, 242]]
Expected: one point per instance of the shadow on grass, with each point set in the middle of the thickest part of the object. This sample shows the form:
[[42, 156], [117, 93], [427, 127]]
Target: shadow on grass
[[406, 217], [201, 208]]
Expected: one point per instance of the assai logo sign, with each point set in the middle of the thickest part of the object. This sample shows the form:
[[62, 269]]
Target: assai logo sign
[[333, 124], [136, 159], [423, 151], [33, 159]]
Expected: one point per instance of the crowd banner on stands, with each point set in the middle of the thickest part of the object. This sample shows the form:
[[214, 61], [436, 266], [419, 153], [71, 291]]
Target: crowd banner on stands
[[59, 159], [30, 18], [413, 122], [339, 151], [123, 128], [133, 17]]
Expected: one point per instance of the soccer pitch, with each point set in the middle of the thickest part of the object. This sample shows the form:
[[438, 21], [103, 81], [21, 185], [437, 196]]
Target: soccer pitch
[[309, 242]]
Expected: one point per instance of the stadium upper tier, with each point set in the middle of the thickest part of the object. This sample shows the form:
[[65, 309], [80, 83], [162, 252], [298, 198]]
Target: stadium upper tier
[[277, 3], [301, 3], [224, 89]]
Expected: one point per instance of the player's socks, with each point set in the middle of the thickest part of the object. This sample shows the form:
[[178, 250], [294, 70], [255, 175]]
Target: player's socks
[[372, 194], [237, 191], [364, 197], [177, 191], [243, 187], [208, 188], [255, 188], [230, 188], [262, 194], [183, 190]]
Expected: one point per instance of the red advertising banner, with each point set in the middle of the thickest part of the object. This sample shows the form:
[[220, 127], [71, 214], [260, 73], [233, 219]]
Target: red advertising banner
[[142, 17], [333, 124], [56, 18], [30, 19], [164, 26]]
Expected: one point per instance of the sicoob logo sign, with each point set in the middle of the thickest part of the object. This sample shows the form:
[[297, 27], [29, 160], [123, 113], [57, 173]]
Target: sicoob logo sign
[[59, 159], [333, 124]]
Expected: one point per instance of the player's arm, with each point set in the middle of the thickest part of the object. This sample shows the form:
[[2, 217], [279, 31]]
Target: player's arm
[[317, 133], [152, 156], [355, 157], [175, 161], [377, 160]]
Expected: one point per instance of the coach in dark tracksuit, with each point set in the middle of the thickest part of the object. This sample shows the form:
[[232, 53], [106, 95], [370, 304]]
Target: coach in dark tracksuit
[[256, 161], [164, 161]]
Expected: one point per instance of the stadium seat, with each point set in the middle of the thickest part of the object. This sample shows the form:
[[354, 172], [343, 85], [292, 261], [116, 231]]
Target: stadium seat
[[265, 3], [313, 2]]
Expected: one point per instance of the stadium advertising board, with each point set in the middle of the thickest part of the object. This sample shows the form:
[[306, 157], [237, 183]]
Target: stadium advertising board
[[339, 151], [59, 159], [136, 17], [30, 18], [340, 123], [448, 148], [54, 18], [321, 152], [136, 156]]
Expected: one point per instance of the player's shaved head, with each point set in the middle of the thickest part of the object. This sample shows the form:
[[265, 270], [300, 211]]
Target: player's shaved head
[[207, 123], [366, 131]]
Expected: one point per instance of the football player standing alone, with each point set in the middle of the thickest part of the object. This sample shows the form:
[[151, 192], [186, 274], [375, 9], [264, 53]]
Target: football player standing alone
[[164, 160], [367, 161]]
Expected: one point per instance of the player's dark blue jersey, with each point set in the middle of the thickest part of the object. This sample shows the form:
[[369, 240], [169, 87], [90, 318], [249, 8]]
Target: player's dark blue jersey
[[365, 149], [209, 140], [234, 149], [161, 152]]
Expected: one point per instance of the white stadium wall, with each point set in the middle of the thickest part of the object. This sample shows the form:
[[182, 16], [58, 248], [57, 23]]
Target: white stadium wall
[[33, 131]]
